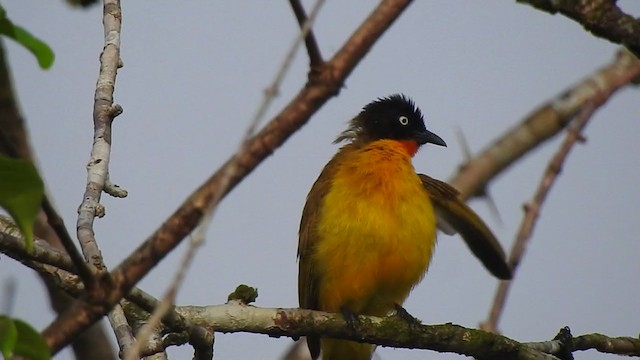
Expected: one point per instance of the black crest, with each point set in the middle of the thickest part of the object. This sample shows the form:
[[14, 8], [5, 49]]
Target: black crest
[[393, 117]]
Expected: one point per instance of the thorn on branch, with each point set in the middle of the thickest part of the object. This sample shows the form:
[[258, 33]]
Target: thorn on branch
[[115, 110], [483, 191], [114, 189], [100, 211], [271, 92]]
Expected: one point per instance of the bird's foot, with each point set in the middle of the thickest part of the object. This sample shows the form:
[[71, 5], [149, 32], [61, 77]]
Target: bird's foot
[[404, 315], [350, 317]]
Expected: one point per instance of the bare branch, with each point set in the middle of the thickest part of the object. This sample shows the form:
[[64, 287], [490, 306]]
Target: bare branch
[[124, 333], [166, 305], [603, 18], [612, 345], [8, 296], [564, 344], [12, 244], [533, 208], [315, 57], [56, 266], [598, 96], [542, 124], [272, 91], [388, 331], [57, 224], [104, 112]]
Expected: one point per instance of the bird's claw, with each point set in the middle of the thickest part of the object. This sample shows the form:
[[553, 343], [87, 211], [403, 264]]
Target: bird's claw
[[350, 317], [404, 315]]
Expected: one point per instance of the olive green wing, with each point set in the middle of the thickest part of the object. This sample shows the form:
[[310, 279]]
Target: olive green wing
[[454, 214], [308, 276]]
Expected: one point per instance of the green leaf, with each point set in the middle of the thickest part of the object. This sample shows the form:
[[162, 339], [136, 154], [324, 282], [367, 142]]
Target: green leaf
[[38, 48], [8, 337], [21, 192], [30, 343]]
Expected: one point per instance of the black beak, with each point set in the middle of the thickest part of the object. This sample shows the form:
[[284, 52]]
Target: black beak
[[426, 136]]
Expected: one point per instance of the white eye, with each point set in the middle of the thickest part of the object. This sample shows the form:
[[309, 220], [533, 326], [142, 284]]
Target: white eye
[[403, 120]]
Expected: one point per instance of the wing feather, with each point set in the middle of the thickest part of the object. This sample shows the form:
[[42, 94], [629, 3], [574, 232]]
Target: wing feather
[[308, 277], [454, 213]]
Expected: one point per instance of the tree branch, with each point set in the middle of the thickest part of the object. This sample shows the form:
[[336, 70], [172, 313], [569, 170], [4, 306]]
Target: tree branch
[[11, 243], [189, 324], [605, 344], [104, 112], [122, 329], [603, 18], [542, 124], [388, 331], [533, 208], [315, 57]]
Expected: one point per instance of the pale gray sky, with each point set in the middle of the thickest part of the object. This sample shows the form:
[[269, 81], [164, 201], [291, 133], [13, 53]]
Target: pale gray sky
[[193, 78]]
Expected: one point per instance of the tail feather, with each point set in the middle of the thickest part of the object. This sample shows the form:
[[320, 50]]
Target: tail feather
[[333, 349]]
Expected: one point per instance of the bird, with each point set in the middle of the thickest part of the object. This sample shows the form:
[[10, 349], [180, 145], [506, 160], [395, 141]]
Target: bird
[[368, 227]]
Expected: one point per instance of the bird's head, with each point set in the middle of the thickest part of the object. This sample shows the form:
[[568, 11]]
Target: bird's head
[[395, 117]]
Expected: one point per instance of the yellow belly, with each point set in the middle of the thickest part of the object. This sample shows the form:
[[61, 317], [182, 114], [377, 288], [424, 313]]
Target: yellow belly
[[376, 232]]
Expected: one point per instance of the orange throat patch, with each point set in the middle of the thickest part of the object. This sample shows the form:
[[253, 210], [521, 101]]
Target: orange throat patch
[[411, 146]]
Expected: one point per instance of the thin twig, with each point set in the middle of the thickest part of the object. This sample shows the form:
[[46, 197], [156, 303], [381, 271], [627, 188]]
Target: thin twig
[[104, 111], [12, 244], [57, 224], [483, 192], [532, 209], [167, 302], [272, 91], [122, 330], [8, 296], [595, 91], [54, 263], [315, 57]]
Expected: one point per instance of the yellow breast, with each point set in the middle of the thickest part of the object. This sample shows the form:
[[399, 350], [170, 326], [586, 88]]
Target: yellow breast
[[376, 231]]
